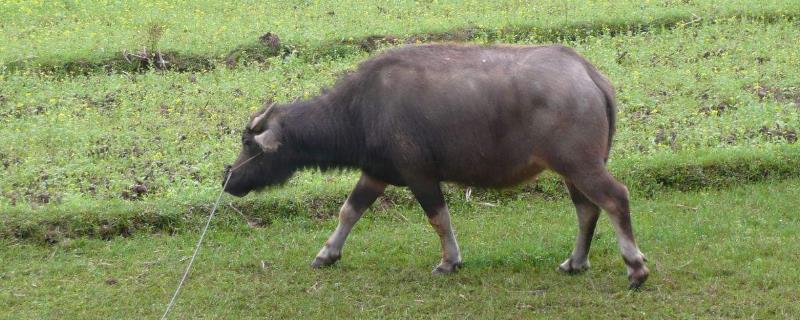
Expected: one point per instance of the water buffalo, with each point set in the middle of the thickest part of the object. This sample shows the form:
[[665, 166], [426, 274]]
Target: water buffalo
[[481, 116]]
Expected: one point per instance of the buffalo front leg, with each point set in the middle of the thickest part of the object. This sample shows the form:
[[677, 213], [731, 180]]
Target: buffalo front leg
[[432, 201], [363, 195], [588, 213]]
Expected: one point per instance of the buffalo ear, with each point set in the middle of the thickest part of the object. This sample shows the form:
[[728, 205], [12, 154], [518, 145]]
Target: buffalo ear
[[268, 140]]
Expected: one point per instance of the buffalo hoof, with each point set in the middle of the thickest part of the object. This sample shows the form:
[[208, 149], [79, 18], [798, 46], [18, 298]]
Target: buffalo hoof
[[447, 268], [637, 277], [570, 266], [320, 262]]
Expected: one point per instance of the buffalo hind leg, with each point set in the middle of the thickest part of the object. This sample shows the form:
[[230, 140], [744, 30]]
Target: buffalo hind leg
[[429, 195], [601, 188], [363, 195], [587, 213]]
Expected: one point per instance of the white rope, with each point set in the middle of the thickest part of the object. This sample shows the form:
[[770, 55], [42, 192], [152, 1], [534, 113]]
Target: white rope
[[200, 241]]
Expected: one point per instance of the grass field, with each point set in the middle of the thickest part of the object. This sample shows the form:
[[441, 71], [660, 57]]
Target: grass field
[[714, 254], [708, 95]]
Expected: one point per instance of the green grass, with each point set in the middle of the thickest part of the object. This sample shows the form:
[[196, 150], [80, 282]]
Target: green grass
[[72, 146], [713, 254], [71, 35], [709, 98]]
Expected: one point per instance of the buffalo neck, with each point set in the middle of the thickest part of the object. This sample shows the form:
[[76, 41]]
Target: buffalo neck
[[322, 134]]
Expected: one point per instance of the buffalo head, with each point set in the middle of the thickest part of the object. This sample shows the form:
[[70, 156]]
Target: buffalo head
[[263, 161]]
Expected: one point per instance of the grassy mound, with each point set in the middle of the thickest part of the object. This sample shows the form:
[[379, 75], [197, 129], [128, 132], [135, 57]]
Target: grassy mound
[[317, 197], [556, 24]]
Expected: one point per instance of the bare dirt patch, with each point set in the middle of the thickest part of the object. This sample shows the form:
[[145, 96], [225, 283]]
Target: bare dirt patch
[[778, 132], [780, 95]]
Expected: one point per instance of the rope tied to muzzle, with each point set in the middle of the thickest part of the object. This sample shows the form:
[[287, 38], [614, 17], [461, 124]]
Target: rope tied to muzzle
[[203, 234]]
